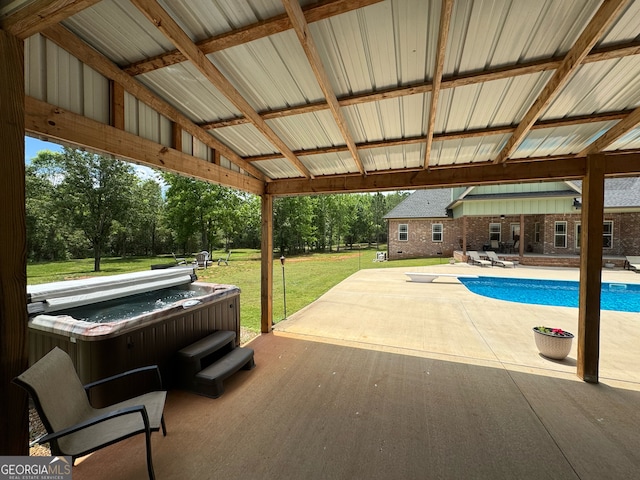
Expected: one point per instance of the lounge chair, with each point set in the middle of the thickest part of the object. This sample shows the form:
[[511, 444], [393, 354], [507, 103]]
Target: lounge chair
[[74, 427], [225, 260], [179, 260], [495, 260], [202, 259], [632, 263], [476, 260]]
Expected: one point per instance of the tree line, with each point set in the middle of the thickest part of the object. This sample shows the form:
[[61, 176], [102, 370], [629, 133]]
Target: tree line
[[83, 205]]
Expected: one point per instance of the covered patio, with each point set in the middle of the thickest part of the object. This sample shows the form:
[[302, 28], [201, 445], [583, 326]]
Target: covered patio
[[293, 97], [383, 378]]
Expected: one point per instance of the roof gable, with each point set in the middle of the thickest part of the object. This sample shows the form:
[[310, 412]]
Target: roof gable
[[429, 203]]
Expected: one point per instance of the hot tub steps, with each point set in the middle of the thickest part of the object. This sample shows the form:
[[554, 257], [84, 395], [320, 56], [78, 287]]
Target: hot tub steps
[[209, 380], [209, 361]]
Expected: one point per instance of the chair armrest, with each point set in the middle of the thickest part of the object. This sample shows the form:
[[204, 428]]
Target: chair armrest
[[128, 373], [95, 420]]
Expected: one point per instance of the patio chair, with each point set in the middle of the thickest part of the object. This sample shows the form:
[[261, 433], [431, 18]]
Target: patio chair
[[476, 260], [179, 260], [632, 263], [495, 245], [74, 427], [202, 259], [225, 260], [495, 260]]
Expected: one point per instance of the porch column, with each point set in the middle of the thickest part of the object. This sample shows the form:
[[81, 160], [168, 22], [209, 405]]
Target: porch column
[[464, 235], [591, 269], [266, 265], [521, 242], [14, 432]]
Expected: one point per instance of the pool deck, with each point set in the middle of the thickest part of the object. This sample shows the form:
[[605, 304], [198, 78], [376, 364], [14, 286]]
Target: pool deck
[[386, 310], [383, 378]]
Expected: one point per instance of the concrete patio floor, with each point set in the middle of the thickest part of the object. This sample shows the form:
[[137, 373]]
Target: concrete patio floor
[[385, 378]]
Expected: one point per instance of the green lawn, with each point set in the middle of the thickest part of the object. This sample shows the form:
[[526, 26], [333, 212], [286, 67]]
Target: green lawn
[[307, 276]]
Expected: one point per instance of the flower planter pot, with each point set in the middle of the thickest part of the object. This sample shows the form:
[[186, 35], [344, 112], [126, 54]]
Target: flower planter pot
[[552, 345]]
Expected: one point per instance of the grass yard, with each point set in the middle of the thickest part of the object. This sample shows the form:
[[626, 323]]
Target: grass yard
[[307, 276]]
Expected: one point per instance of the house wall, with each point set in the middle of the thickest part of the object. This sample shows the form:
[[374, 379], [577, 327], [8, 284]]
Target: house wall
[[419, 243], [626, 235]]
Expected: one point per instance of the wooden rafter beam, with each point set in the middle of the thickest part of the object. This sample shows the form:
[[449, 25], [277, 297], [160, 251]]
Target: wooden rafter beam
[[309, 46], [529, 170], [624, 126], [170, 29], [536, 66], [480, 132], [41, 14], [89, 56], [443, 37], [255, 31], [603, 18], [58, 124]]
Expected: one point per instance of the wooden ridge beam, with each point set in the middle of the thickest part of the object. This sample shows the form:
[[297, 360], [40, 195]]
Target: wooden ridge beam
[[89, 56], [309, 46], [170, 29], [603, 18], [255, 31], [61, 125]]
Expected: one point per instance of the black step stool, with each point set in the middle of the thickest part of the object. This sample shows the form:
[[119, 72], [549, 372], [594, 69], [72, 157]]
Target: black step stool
[[207, 362]]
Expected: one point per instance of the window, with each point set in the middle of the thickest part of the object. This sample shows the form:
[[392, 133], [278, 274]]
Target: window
[[536, 232], [607, 234], [436, 232], [560, 237], [403, 232], [494, 231]]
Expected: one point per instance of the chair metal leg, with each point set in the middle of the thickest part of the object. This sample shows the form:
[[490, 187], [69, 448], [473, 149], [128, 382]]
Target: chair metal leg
[[147, 435], [164, 428]]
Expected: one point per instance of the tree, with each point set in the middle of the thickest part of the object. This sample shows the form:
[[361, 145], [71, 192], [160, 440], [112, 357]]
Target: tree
[[46, 228], [94, 191], [293, 228]]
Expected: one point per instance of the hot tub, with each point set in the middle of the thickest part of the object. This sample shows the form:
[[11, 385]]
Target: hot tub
[[113, 346]]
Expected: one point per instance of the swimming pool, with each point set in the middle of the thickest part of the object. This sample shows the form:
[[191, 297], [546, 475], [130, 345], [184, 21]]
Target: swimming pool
[[622, 297]]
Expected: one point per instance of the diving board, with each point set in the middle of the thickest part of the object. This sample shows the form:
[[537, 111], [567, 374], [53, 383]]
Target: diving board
[[424, 277]]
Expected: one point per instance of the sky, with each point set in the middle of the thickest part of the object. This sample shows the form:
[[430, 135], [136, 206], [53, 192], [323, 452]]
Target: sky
[[32, 146]]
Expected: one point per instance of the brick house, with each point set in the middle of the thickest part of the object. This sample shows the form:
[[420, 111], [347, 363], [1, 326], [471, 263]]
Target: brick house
[[544, 217]]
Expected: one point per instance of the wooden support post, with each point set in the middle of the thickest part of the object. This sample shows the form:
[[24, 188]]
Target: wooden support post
[[266, 285], [117, 105], [176, 136], [591, 269], [521, 242], [464, 235], [14, 411], [216, 156]]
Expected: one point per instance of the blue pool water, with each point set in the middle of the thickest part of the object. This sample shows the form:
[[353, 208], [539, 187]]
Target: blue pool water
[[623, 297]]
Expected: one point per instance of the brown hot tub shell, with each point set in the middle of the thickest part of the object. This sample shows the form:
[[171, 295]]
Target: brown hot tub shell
[[99, 350]]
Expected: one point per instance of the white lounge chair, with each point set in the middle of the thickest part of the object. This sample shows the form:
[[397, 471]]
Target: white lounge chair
[[495, 260], [476, 260], [632, 263], [203, 260]]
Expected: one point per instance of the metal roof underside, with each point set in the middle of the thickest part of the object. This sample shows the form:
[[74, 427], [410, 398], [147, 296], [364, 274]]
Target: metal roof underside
[[418, 84]]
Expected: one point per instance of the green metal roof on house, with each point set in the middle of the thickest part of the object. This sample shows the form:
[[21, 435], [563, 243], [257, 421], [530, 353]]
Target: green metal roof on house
[[430, 203]]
